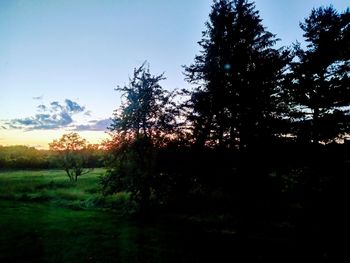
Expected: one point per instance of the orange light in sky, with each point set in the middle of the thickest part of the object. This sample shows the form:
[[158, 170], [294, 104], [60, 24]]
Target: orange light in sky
[[41, 138]]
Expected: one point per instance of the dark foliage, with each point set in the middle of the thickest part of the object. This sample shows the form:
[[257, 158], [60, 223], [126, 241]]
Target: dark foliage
[[23, 157], [144, 123], [257, 139], [238, 74], [320, 80]]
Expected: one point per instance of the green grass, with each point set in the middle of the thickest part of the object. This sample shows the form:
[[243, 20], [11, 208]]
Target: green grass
[[34, 232], [53, 186], [45, 218]]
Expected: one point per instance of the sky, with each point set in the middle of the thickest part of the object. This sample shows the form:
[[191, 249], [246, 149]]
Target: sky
[[60, 60]]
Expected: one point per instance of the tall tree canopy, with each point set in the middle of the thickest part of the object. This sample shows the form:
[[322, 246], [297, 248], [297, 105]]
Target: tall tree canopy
[[238, 75], [145, 121], [321, 79], [147, 110]]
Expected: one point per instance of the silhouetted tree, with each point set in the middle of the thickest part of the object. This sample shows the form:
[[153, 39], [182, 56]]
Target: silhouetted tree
[[209, 72], [238, 73], [147, 111], [144, 122], [238, 101], [321, 79], [71, 150]]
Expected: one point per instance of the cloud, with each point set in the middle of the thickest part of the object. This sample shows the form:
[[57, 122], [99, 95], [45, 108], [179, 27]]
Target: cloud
[[52, 116], [42, 107], [38, 98], [55, 115], [73, 107], [55, 106], [11, 126], [96, 125], [88, 113], [25, 121]]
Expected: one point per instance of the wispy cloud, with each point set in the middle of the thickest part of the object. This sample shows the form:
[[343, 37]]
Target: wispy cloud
[[88, 113], [95, 125], [42, 107], [73, 107], [38, 98], [53, 116]]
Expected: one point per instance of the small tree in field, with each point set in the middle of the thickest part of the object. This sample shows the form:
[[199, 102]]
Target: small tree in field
[[71, 150]]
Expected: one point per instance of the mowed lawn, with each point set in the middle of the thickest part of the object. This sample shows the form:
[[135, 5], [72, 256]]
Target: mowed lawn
[[45, 218], [50, 186]]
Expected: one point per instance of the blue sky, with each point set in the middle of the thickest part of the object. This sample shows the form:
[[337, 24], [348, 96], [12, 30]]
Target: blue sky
[[79, 50]]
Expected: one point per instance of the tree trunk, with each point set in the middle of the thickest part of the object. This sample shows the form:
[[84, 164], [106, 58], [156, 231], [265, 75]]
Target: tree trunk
[[69, 174], [315, 126]]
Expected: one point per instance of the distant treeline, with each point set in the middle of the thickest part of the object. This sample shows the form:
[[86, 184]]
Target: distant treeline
[[24, 157]]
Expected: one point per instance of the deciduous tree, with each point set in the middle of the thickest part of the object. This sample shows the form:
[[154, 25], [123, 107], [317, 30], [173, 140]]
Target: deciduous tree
[[71, 150], [145, 121]]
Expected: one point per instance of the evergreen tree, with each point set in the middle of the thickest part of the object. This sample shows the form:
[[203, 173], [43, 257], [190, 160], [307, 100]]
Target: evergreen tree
[[238, 73], [210, 72], [321, 79]]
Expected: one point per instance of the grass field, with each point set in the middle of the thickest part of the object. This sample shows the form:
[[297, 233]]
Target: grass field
[[45, 218], [49, 185], [53, 186]]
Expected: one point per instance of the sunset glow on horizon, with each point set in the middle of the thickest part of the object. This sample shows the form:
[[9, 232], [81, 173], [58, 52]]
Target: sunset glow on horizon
[[41, 139]]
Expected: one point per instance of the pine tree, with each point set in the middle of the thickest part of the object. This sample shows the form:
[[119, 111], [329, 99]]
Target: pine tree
[[321, 79], [237, 99], [211, 73]]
